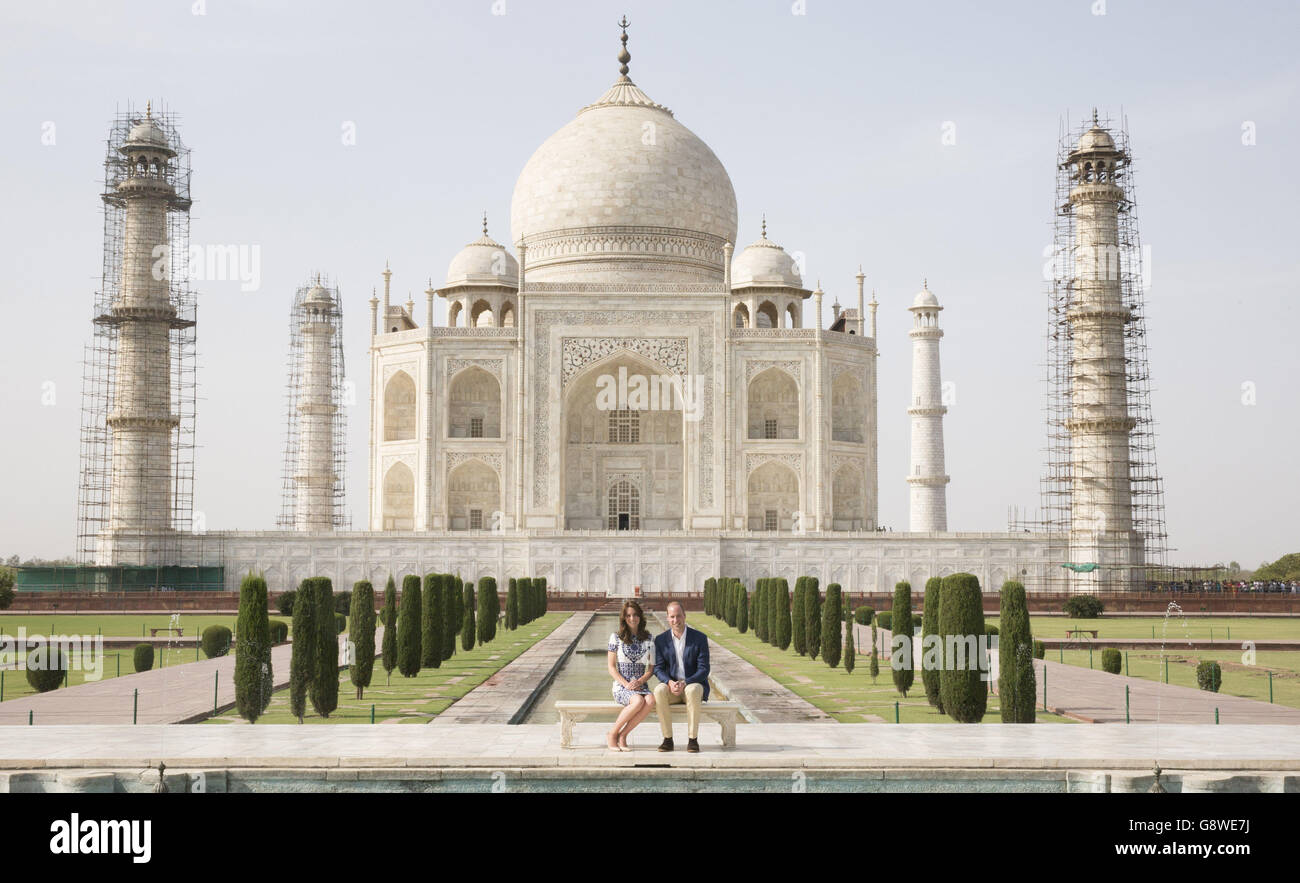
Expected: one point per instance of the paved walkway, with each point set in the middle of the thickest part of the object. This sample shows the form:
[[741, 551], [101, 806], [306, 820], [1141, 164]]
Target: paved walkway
[[762, 698], [1096, 696], [166, 695], [499, 698], [789, 746]]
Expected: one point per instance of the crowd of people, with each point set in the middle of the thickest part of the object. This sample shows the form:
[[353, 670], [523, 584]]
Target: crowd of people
[[1275, 586]]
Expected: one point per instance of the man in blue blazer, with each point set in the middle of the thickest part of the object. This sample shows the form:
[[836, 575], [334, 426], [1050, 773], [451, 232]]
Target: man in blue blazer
[[682, 664]]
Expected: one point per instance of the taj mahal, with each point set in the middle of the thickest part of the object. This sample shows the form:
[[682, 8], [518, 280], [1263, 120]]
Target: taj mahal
[[621, 398]]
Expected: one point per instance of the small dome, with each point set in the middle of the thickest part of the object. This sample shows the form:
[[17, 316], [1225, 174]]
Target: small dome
[[1096, 138], [147, 133], [925, 299], [765, 264], [320, 294], [483, 262]]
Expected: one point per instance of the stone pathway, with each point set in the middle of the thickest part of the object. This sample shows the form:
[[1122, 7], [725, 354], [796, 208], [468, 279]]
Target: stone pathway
[[166, 695], [1096, 696], [762, 698], [497, 699]]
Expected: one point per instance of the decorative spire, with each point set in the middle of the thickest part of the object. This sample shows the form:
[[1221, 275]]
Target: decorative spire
[[764, 225], [623, 55], [485, 223], [1094, 117], [148, 109]]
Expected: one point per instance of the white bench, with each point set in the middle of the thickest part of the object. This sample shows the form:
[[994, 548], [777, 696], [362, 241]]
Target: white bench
[[571, 711]]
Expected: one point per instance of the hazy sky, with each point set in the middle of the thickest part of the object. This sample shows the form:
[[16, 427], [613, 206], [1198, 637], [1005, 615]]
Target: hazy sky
[[829, 117]]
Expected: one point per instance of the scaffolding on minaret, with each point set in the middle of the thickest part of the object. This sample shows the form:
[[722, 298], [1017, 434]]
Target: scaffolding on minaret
[[315, 454], [144, 525], [1144, 502]]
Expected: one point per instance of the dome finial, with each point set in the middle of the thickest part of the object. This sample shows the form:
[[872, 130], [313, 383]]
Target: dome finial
[[148, 109], [764, 225], [624, 56], [485, 223], [1094, 117]]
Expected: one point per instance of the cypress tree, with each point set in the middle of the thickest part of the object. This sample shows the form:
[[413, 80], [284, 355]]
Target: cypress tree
[[902, 664], [409, 627], [431, 618], [523, 592], [812, 616], [773, 612], [361, 632], [541, 594], [758, 611], [324, 690], [389, 619], [742, 618], [489, 608], [468, 631], [450, 615], [961, 622], [512, 604], [875, 654], [460, 602], [832, 613], [798, 612], [931, 674], [305, 652], [1017, 686], [709, 585], [782, 614], [850, 651], [253, 679]]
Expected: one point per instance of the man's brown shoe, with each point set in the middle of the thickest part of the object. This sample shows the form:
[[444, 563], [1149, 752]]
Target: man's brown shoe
[[667, 744], [693, 746]]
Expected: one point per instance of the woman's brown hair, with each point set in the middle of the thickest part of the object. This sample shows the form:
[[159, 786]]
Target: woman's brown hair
[[625, 633]]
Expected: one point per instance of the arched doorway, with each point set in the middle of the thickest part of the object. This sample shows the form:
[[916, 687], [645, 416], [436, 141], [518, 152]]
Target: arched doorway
[[624, 506], [619, 421]]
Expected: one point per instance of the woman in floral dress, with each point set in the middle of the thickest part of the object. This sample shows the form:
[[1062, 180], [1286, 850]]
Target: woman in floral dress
[[631, 664]]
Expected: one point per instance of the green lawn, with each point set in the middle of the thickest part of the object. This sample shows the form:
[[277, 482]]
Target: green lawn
[[113, 624], [115, 662], [848, 698], [1239, 679], [419, 699], [1179, 628]]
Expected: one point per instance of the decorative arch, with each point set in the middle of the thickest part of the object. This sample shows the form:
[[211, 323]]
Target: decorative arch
[[623, 505], [399, 407], [848, 408], [480, 315], [508, 314], [473, 495], [453, 313], [740, 316], [474, 405], [848, 509], [599, 407], [772, 497], [399, 498], [767, 316], [773, 405], [793, 315]]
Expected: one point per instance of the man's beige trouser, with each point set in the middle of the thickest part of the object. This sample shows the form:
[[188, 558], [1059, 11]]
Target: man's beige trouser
[[693, 695]]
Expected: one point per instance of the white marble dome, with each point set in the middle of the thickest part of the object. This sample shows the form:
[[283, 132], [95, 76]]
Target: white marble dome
[[925, 299], [624, 192], [1096, 138], [764, 264], [483, 262], [147, 133]]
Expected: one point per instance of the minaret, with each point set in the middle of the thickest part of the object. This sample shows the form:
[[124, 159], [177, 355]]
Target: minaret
[[926, 478], [142, 421], [318, 318], [1099, 423]]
